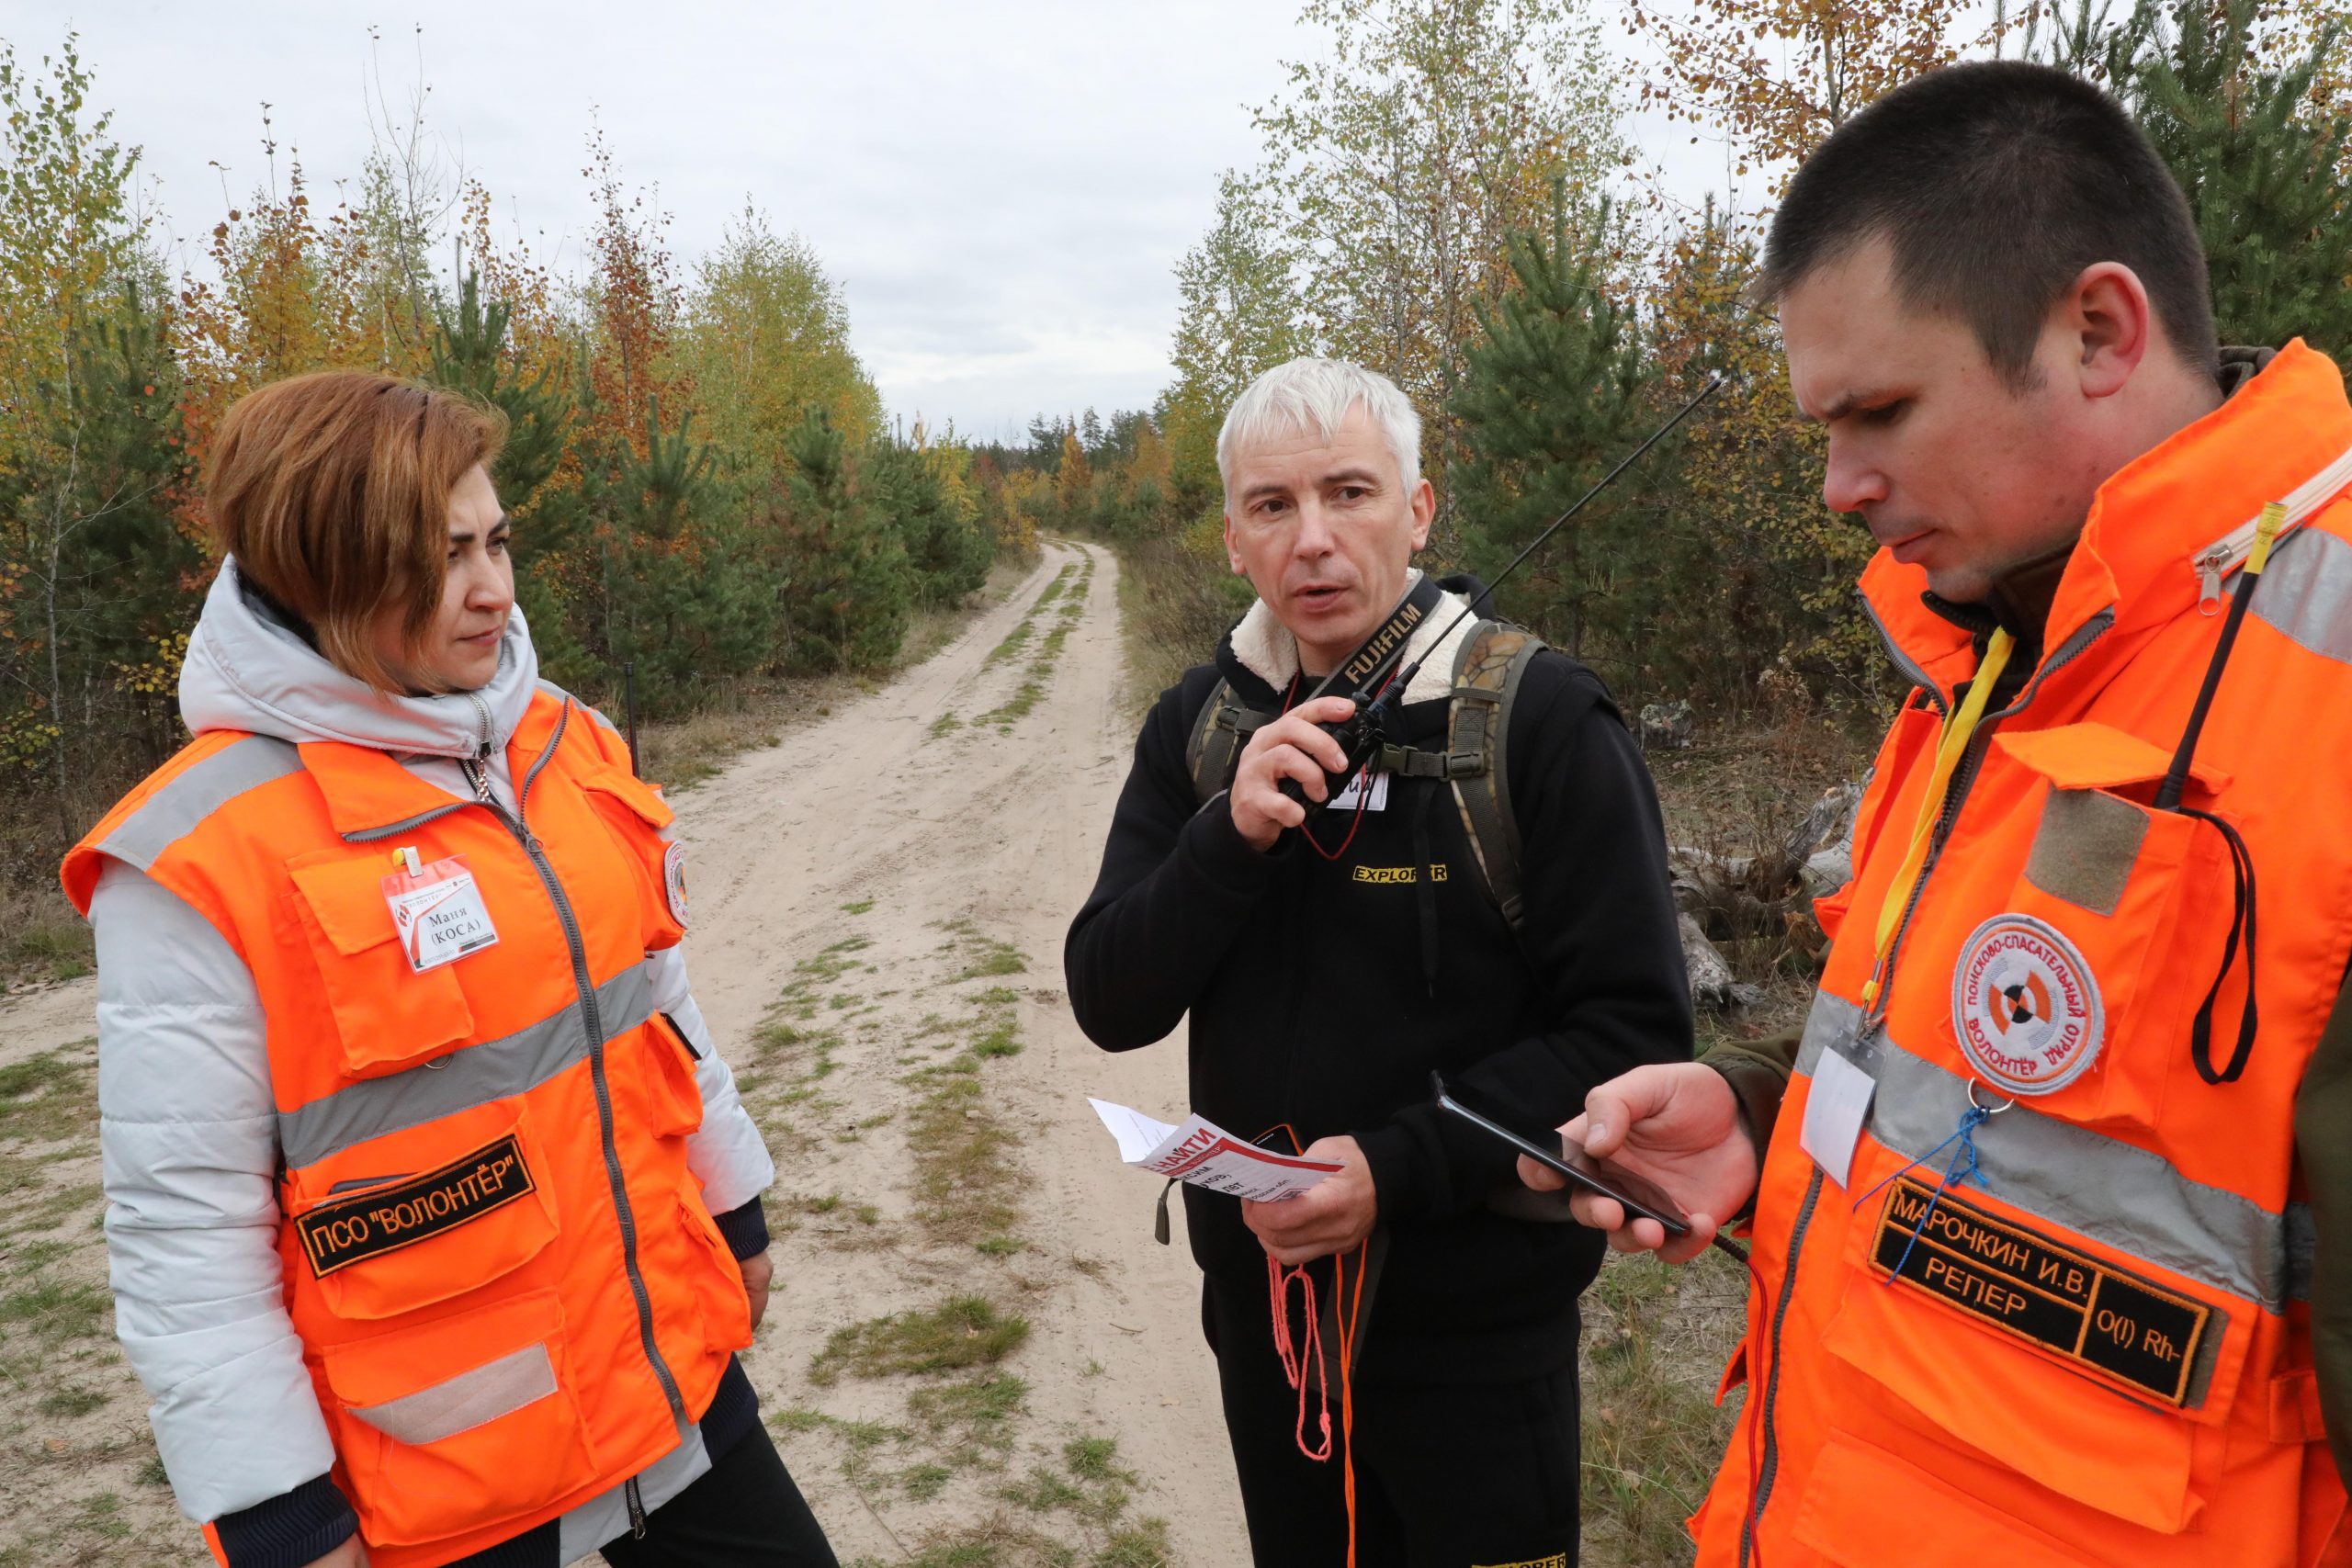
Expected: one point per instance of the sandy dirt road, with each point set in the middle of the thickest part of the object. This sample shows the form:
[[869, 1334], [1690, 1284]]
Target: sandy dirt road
[[998, 826], [879, 902]]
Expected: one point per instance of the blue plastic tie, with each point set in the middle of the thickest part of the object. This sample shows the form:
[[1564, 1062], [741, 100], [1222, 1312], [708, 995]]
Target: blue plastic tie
[[1963, 1167]]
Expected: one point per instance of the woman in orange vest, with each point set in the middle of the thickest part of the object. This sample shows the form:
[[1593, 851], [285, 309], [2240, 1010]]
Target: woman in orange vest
[[434, 1215], [2034, 1236]]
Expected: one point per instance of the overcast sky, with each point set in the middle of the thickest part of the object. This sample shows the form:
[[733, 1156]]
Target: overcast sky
[[1002, 188]]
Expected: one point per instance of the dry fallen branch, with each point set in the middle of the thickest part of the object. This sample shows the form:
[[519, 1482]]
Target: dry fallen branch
[[1728, 898]]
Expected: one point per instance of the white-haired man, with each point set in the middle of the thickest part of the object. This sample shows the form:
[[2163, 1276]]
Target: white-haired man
[[1491, 901]]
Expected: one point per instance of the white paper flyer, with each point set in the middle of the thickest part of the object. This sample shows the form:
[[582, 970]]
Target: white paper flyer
[[1203, 1154]]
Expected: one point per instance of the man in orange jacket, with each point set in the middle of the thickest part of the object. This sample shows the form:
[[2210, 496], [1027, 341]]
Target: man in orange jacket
[[2031, 1256]]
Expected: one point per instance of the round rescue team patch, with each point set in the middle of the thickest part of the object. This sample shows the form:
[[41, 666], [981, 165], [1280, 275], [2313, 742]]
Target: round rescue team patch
[[2024, 1006], [674, 881]]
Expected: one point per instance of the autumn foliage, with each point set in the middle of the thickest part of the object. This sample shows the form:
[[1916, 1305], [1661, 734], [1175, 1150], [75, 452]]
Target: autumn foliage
[[1447, 198], [706, 488], [673, 516]]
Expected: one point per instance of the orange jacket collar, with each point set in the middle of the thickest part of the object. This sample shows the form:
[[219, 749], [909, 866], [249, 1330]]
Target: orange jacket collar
[[366, 789], [2155, 515]]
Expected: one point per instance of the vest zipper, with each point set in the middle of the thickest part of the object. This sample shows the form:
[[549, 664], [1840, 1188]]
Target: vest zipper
[[1905, 665], [1955, 796], [636, 1500], [477, 767], [1768, 1467], [2229, 552], [591, 1016]]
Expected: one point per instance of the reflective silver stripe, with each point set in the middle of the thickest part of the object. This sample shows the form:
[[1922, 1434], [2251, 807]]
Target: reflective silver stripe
[[560, 694], [469, 1400], [2096, 1186], [474, 1076], [2306, 593], [1833, 1024], [169, 813]]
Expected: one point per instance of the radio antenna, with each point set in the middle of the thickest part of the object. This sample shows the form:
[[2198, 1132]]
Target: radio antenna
[[1405, 677]]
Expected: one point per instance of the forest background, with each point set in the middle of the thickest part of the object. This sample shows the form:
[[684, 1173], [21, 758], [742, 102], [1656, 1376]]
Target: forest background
[[710, 497]]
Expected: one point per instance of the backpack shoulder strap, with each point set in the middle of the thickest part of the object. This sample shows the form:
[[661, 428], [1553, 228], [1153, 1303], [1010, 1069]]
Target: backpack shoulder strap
[[1214, 750], [1487, 673]]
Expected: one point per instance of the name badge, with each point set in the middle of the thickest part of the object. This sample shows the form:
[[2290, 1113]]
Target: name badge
[[1835, 1106], [2039, 1288], [385, 1219], [1354, 796], [438, 911]]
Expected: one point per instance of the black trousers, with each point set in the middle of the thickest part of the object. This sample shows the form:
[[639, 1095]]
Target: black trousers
[[1448, 1475], [745, 1513]]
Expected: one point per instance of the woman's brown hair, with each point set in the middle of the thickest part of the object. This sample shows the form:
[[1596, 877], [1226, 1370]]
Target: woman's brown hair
[[332, 490]]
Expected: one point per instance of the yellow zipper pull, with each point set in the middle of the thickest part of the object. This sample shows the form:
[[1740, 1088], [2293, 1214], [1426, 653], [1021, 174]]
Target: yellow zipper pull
[[2265, 534]]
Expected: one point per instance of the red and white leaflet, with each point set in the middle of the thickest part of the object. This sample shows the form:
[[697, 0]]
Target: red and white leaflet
[[1203, 1154]]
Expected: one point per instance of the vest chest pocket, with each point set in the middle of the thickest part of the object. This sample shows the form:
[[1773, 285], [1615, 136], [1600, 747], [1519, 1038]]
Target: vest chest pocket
[[387, 1015], [2091, 1376], [635, 814], [2074, 992], [1862, 1502], [457, 1425], [412, 1219], [673, 1098]]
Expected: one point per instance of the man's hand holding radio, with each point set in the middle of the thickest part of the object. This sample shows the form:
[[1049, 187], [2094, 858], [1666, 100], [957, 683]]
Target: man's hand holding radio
[[1290, 748]]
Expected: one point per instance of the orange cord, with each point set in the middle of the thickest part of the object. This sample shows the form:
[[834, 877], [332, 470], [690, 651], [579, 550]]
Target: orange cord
[[1347, 1382], [1297, 1354]]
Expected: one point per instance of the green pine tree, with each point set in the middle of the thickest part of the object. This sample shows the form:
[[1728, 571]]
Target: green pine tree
[[694, 600], [850, 587], [948, 550], [2262, 156], [470, 356], [1553, 393], [104, 577], [2263, 165]]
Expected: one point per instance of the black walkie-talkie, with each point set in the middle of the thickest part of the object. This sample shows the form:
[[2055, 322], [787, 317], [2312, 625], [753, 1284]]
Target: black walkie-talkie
[[1364, 678], [1360, 736]]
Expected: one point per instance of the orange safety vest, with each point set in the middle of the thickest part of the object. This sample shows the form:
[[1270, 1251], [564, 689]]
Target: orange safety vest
[[510, 1293], [2096, 1351]]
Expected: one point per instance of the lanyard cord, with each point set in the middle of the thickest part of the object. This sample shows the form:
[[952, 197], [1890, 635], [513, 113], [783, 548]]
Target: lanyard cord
[[1959, 728]]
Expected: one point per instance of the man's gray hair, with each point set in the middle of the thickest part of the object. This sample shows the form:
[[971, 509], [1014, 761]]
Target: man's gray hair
[[1315, 395]]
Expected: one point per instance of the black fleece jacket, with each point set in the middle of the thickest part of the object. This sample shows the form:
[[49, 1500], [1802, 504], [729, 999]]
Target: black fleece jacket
[[1315, 1002]]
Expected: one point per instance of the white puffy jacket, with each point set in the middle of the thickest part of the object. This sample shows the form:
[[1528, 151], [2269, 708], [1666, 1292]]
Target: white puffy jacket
[[188, 1125]]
